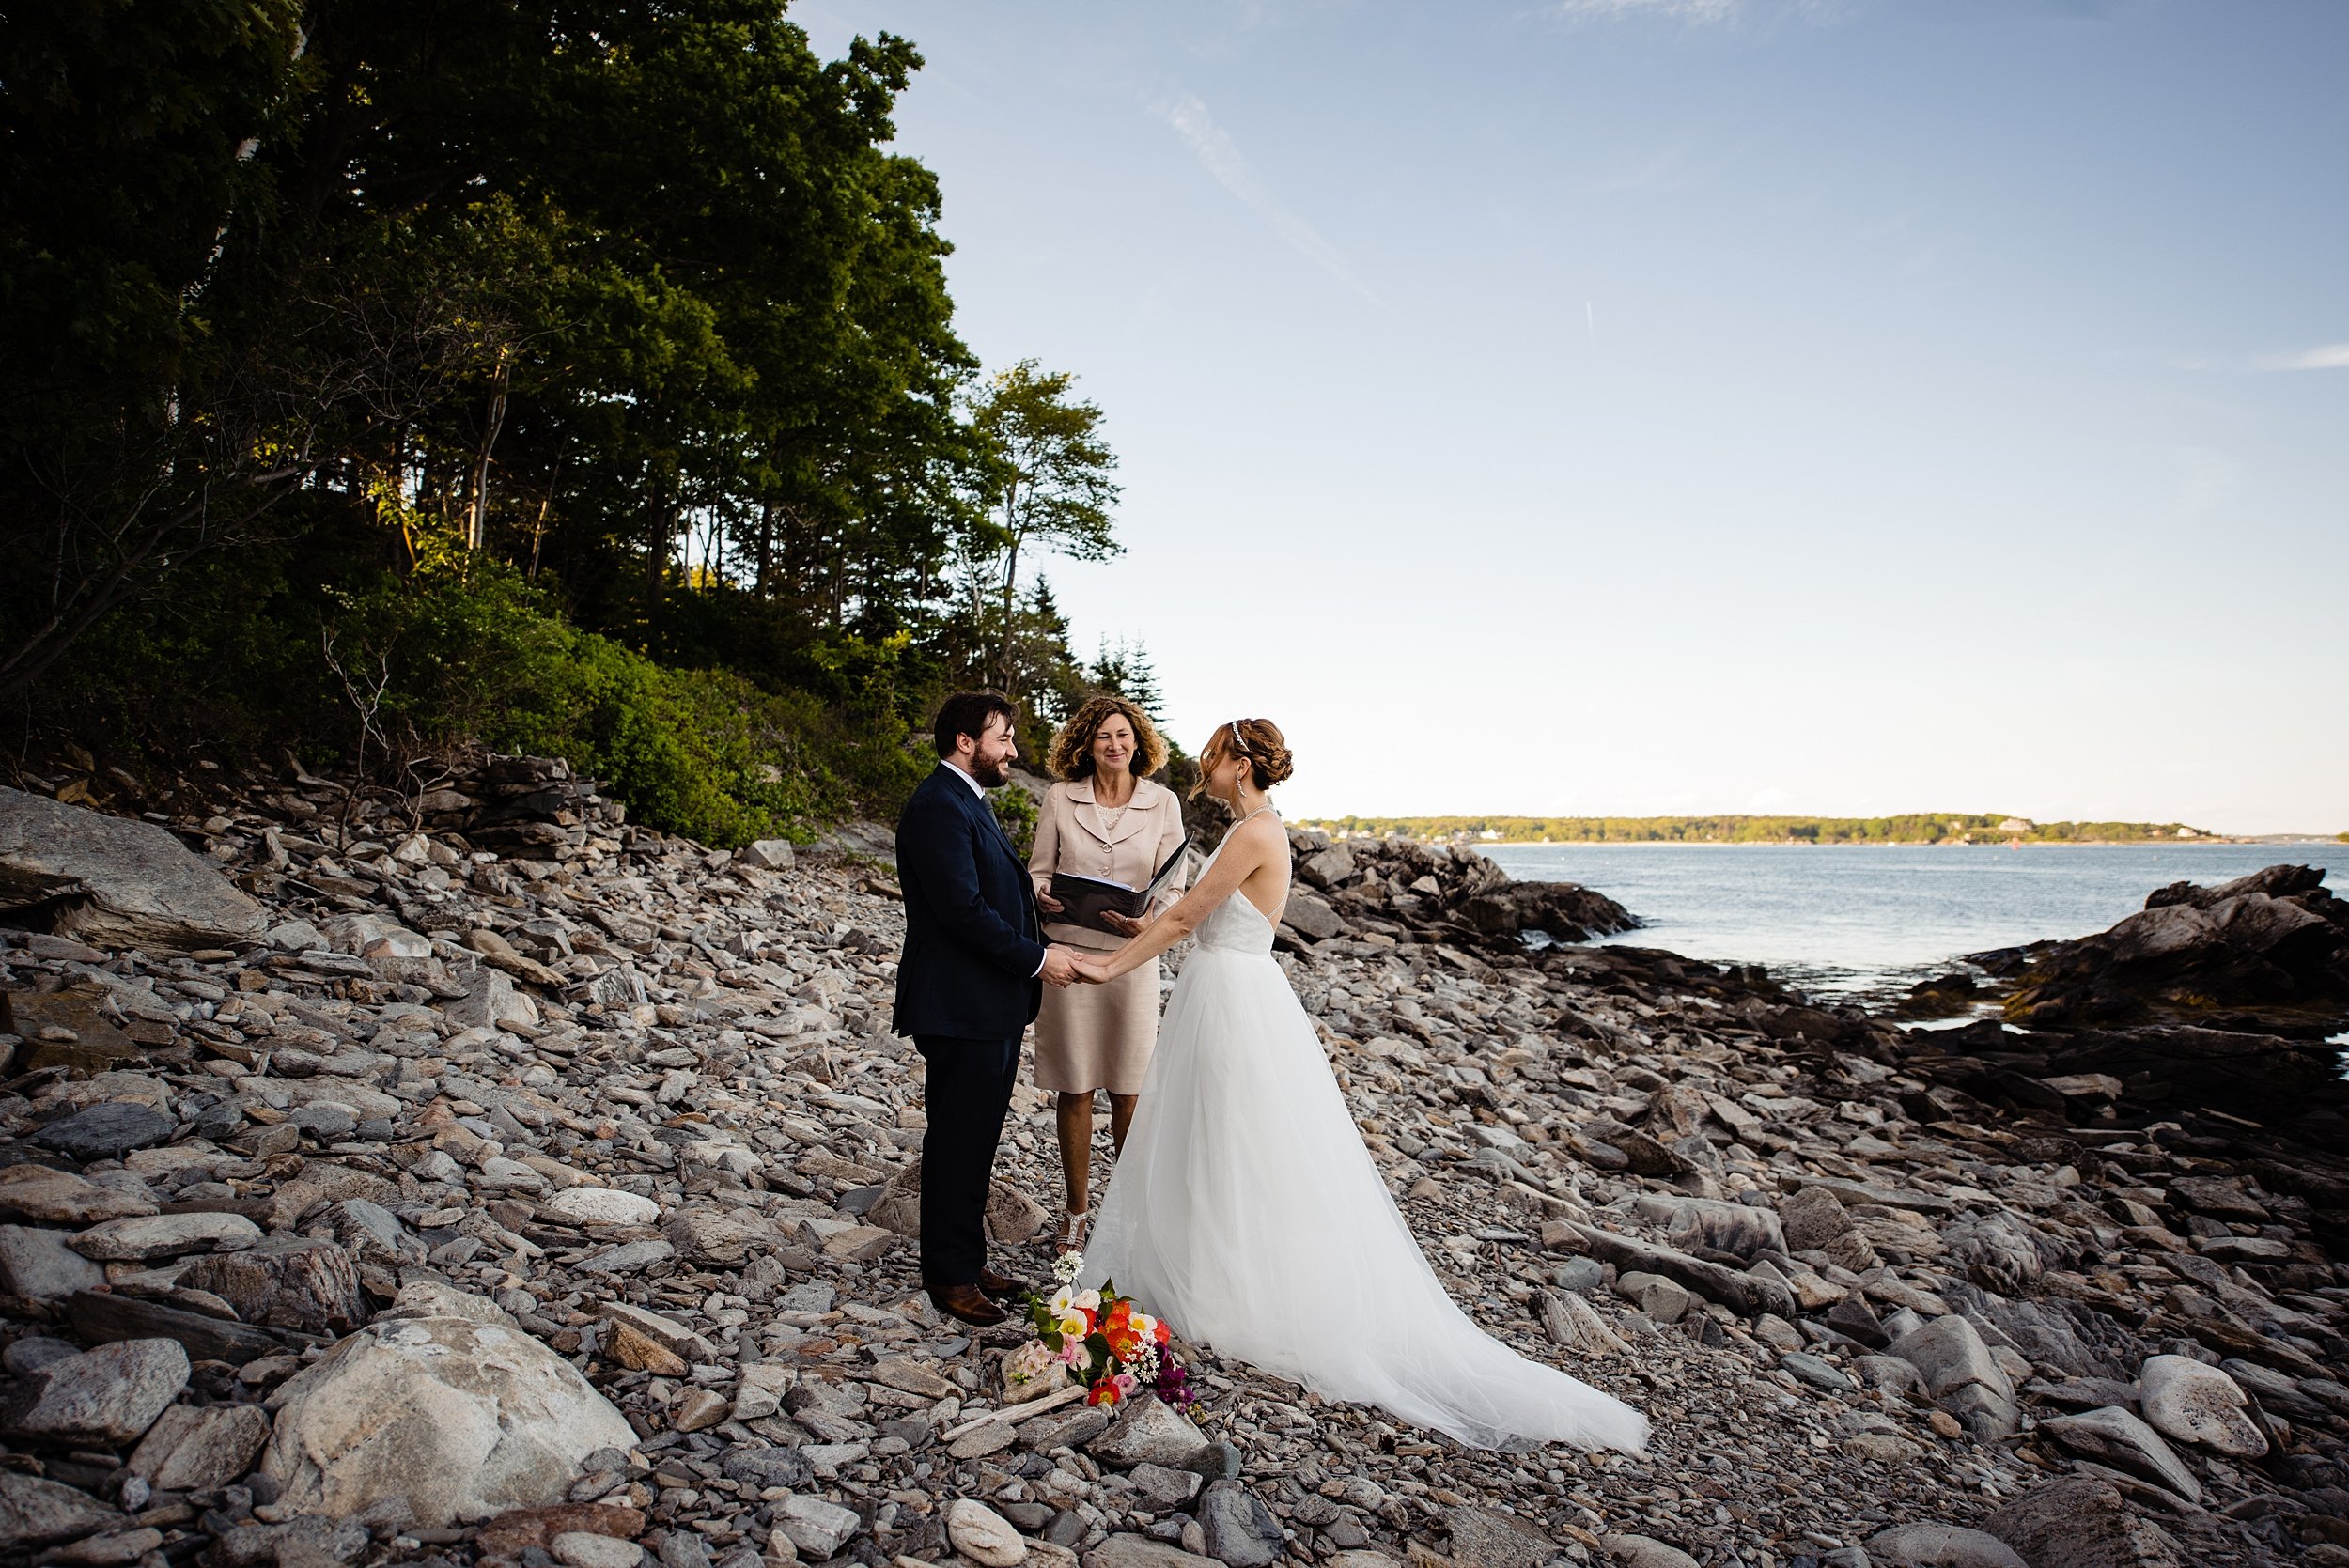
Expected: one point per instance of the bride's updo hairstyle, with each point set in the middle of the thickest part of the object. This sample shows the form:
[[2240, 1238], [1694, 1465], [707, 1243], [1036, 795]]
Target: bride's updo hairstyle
[[1257, 739]]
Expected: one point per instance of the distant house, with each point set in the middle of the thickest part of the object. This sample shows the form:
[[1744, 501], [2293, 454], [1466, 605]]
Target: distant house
[[2189, 832], [2018, 825]]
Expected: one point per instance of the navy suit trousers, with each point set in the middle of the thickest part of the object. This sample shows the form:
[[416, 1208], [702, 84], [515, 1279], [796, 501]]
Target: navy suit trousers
[[966, 1092]]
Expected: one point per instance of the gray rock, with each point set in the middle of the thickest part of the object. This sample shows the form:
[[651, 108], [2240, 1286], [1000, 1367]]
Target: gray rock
[[1961, 1375], [459, 1411], [1148, 1432], [1580, 1275], [39, 1265], [1072, 1428], [123, 883], [1818, 1373], [492, 1001], [47, 1196], [2082, 1523], [632, 1258], [982, 1535], [577, 1548], [1140, 1551], [1999, 1252], [1812, 1218], [1724, 1226], [1949, 1353], [106, 1131], [1940, 1545], [1488, 1536], [2114, 1436], [2192, 1403], [817, 1527], [1241, 1532], [604, 1205], [1746, 1294], [1165, 1488], [189, 1449], [1644, 1551], [1310, 916], [1657, 1296], [682, 1548], [107, 1396], [165, 1235], [34, 1513], [768, 854], [1891, 1374], [767, 1467], [325, 1121], [35, 1352]]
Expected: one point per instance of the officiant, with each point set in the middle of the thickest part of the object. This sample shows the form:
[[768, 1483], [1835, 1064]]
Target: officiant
[[1103, 819]]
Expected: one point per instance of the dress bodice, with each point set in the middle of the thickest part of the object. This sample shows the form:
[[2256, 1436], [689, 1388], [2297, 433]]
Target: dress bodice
[[1236, 925]]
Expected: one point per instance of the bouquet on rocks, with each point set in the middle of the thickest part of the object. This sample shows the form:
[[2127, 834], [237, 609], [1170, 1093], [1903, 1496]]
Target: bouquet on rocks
[[1098, 1340]]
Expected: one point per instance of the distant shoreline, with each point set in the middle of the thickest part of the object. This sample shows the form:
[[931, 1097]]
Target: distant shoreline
[[1928, 830]]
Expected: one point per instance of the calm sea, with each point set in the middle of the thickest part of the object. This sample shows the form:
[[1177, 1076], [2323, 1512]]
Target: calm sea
[[1866, 923]]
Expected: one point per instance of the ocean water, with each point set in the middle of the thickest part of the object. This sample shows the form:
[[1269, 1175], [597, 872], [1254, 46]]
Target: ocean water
[[1864, 923]]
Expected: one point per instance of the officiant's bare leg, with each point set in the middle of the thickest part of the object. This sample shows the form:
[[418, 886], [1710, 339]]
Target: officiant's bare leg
[[1073, 1120], [1122, 1118]]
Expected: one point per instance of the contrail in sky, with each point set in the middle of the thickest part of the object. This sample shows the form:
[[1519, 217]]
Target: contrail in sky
[[1220, 158]]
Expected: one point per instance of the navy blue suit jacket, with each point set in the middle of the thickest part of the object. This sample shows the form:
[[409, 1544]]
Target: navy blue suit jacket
[[972, 938]]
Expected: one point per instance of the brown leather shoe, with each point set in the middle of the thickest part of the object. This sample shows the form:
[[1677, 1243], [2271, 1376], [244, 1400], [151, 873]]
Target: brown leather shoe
[[1003, 1285], [967, 1303]]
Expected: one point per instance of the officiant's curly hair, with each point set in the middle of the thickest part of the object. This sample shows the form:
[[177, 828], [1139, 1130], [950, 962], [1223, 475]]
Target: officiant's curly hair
[[1072, 748], [1259, 741]]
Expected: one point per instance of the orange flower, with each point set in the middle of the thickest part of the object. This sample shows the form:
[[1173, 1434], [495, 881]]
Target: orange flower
[[1103, 1392]]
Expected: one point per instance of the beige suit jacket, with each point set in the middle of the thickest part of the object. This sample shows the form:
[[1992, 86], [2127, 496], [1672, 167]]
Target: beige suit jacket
[[1074, 834]]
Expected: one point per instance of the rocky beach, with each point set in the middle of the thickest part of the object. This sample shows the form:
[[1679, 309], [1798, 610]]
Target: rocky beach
[[485, 1179]]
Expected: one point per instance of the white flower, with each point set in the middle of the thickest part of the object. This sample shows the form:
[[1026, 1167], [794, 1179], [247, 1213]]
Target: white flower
[[1067, 1266]]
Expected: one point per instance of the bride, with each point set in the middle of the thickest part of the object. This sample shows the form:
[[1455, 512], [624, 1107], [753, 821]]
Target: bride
[[1245, 1210]]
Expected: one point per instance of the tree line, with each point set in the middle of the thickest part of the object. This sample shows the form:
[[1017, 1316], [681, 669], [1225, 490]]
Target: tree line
[[500, 372], [1915, 828]]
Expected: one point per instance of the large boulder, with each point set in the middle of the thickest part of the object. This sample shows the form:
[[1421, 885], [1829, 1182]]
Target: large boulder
[[116, 882], [34, 1513], [2271, 943], [445, 1401], [107, 1396], [1961, 1375], [2082, 1523], [2190, 1402], [2114, 1436]]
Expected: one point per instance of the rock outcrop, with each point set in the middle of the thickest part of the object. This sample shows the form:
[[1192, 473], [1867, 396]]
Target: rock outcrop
[[2271, 947], [112, 881]]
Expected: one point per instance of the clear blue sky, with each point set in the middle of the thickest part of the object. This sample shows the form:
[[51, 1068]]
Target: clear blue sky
[[1658, 406]]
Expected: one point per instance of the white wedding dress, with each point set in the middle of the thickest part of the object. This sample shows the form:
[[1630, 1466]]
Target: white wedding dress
[[1247, 1213]]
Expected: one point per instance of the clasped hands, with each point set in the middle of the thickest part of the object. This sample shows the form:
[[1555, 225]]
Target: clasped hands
[[1067, 966]]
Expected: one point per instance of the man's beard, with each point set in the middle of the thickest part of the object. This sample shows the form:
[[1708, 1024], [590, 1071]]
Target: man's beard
[[992, 775]]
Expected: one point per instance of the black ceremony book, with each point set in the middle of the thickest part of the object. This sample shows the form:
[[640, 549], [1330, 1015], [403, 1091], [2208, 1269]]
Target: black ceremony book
[[1084, 900]]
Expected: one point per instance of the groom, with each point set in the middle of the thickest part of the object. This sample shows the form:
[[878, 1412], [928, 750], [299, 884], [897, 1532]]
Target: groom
[[967, 986]]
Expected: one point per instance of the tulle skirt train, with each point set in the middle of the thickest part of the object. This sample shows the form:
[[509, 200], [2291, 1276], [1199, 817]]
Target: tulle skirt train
[[1246, 1211]]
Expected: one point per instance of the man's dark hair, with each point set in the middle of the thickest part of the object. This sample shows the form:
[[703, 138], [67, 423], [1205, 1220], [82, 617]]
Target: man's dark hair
[[967, 713]]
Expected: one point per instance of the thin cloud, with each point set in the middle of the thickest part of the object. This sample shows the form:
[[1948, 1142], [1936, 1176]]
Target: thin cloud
[[2329, 356], [1705, 12], [1220, 157]]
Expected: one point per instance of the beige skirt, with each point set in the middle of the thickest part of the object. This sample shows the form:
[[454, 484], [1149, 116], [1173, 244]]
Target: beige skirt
[[1090, 1038]]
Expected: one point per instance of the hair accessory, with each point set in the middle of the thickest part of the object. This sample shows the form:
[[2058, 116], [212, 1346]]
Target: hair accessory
[[1237, 740]]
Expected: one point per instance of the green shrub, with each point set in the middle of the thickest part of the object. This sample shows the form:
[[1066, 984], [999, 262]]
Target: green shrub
[[392, 669]]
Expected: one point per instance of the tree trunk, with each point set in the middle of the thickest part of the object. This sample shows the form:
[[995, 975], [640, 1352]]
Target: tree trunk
[[478, 519]]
